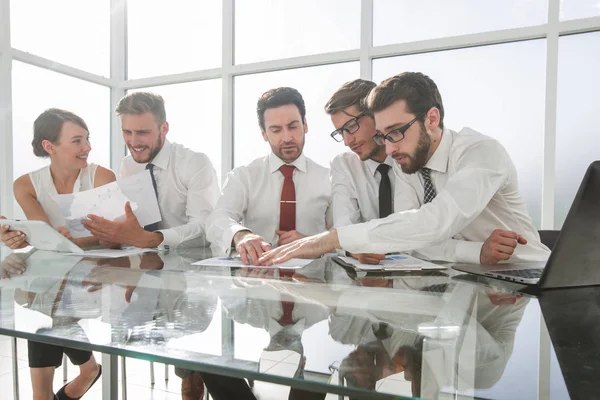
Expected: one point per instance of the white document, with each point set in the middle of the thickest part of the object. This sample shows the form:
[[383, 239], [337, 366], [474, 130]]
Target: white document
[[108, 201], [294, 263], [394, 262], [112, 253]]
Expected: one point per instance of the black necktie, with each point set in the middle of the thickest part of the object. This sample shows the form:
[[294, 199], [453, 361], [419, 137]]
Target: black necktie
[[154, 226], [385, 191], [427, 185], [381, 330]]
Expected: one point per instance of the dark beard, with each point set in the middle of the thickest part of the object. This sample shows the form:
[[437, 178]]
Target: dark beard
[[419, 159], [156, 150]]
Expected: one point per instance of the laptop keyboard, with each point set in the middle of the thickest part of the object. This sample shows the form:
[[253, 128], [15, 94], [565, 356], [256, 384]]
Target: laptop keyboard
[[531, 273]]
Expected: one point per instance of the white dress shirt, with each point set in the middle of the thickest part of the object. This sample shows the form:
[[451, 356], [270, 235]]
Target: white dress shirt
[[355, 199], [187, 192], [355, 189], [477, 192], [251, 196]]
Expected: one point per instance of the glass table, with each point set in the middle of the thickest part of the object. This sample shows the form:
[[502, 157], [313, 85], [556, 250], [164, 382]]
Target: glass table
[[322, 328]]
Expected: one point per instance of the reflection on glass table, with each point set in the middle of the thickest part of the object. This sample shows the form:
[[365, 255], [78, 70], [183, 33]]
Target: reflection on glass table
[[318, 328]]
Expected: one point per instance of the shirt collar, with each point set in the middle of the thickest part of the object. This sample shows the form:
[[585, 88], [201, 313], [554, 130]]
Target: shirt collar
[[276, 162], [161, 160], [439, 159], [372, 164]]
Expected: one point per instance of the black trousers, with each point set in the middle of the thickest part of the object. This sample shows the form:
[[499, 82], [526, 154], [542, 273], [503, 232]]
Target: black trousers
[[42, 355], [226, 388]]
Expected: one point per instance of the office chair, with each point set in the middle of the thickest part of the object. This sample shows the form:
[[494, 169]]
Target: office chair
[[549, 237]]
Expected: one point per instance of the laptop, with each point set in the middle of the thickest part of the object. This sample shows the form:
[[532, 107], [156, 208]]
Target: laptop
[[575, 259], [572, 318]]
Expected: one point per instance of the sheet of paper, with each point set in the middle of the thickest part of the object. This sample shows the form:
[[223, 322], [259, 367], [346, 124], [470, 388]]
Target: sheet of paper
[[394, 262], [112, 253], [108, 201], [294, 263]]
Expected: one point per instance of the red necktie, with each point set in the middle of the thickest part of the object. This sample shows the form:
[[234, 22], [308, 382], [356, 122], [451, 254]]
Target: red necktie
[[288, 309], [287, 215]]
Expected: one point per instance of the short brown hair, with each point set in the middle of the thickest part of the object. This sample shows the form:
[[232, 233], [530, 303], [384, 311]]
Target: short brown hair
[[276, 98], [138, 103], [353, 93], [47, 126], [418, 91]]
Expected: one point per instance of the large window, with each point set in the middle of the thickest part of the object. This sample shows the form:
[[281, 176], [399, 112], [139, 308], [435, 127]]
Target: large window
[[485, 89], [577, 142], [488, 58], [574, 9], [272, 29], [316, 84], [172, 37], [412, 20], [194, 116], [35, 90], [71, 32]]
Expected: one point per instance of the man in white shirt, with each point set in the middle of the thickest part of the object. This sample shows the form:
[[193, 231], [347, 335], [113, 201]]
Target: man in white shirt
[[466, 181], [363, 181], [276, 199], [184, 181]]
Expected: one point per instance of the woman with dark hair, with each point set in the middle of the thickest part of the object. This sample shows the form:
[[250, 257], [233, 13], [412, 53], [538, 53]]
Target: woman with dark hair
[[64, 138]]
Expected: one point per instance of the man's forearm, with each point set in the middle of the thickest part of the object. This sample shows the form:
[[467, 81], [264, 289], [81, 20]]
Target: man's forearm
[[149, 240]]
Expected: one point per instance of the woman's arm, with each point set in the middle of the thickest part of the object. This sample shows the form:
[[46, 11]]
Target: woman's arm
[[27, 199]]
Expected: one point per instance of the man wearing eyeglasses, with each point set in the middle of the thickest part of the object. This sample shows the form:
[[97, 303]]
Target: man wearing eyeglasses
[[363, 181], [466, 182]]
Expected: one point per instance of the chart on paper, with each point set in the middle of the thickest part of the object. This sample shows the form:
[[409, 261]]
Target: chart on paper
[[108, 201]]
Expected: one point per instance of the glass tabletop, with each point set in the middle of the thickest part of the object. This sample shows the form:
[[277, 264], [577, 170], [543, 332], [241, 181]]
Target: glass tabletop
[[324, 327]]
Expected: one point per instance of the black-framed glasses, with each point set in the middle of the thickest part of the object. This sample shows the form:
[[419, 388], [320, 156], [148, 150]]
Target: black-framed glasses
[[395, 135], [351, 126]]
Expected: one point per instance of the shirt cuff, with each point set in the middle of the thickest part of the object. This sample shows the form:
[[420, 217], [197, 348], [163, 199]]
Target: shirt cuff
[[228, 237], [170, 238], [468, 252], [354, 238]]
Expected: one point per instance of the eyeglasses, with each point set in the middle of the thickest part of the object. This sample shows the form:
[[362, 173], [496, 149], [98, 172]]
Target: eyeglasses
[[351, 126], [397, 134]]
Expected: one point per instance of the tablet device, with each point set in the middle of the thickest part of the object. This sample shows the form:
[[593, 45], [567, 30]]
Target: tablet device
[[42, 236]]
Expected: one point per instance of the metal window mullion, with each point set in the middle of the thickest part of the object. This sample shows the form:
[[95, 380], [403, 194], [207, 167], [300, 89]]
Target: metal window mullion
[[366, 39], [227, 88], [549, 143], [6, 131], [118, 71], [50, 65]]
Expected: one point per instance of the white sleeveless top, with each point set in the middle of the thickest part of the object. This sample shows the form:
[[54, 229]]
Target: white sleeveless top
[[46, 193]]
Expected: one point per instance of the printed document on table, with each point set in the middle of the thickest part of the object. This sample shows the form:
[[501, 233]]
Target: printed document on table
[[294, 263], [112, 253], [108, 201], [393, 262]]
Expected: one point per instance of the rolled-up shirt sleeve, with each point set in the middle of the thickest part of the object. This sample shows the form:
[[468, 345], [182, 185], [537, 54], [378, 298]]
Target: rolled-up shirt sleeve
[[482, 169], [225, 221], [343, 196]]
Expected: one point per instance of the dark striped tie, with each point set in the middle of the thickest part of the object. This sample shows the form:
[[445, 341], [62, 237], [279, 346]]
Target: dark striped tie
[[428, 185]]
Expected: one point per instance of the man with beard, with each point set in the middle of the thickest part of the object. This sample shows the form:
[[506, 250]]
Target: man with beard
[[466, 182], [277, 199], [363, 181], [185, 184], [184, 181]]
